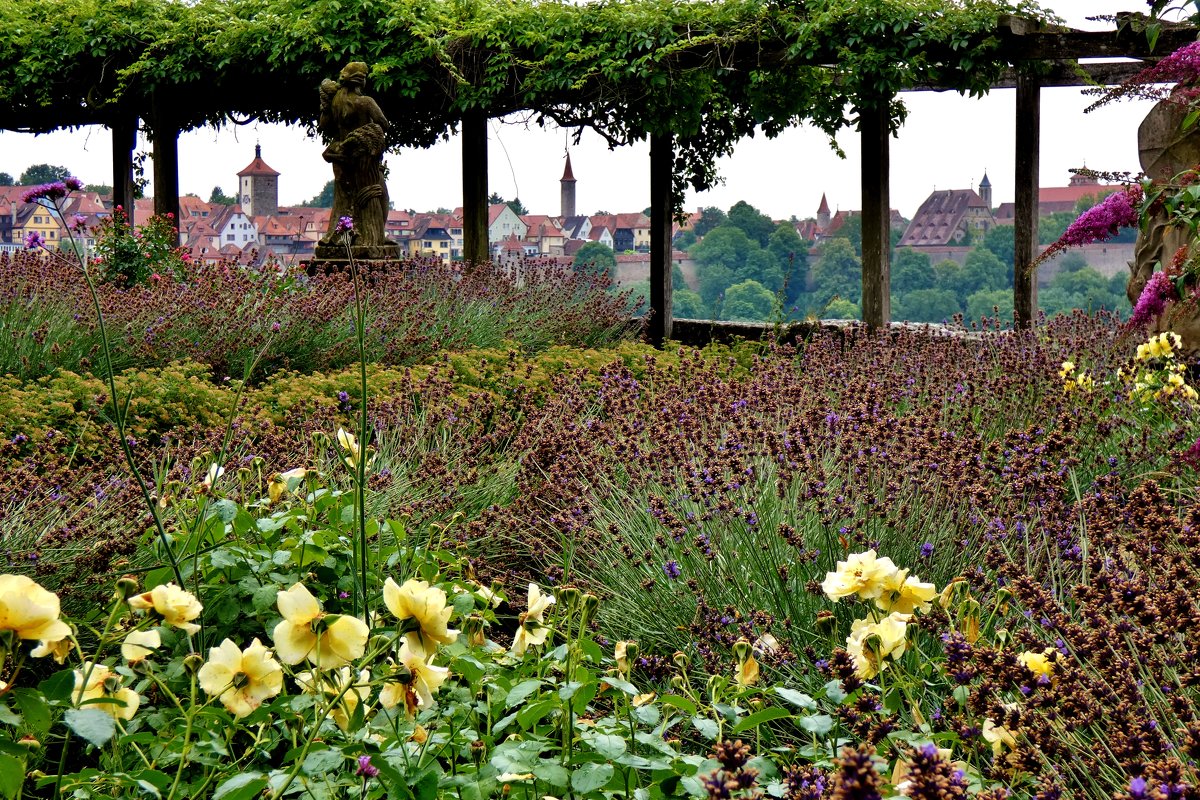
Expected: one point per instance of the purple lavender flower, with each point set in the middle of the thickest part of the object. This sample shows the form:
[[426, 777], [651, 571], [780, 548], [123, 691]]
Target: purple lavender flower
[[671, 570], [927, 550], [344, 224], [34, 240], [365, 768], [1153, 300], [1137, 788]]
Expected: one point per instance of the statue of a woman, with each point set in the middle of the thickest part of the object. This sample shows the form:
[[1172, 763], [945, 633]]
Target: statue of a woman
[[356, 129]]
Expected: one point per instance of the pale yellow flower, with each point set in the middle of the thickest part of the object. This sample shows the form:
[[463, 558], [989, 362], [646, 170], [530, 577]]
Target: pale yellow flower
[[104, 690], [871, 642], [331, 686], [1037, 663], [1067, 368], [215, 471], [860, 574], [904, 593], [59, 648], [419, 604], [620, 654], [138, 645], [30, 611], [307, 632], [747, 671], [640, 700], [349, 442], [998, 736], [241, 679], [416, 692], [174, 605], [531, 628], [281, 482]]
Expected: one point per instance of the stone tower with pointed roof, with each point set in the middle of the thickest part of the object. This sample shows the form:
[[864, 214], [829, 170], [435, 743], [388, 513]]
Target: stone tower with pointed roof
[[567, 207], [985, 189], [258, 188], [823, 213]]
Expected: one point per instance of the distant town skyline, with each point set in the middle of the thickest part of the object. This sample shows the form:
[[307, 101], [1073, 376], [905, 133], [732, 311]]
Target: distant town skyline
[[947, 142]]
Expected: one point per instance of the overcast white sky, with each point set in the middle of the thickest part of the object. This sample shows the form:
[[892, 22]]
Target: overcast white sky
[[947, 143]]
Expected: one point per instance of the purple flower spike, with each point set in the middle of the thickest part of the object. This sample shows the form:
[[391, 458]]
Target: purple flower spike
[[671, 570], [365, 768], [1157, 292], [72, 183], [34, 240], [1137, 788], [344, 224]]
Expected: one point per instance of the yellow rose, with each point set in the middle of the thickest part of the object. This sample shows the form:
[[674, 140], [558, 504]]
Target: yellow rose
[[30, 611], [904, 593], [97, 686], [1037, 663], [871, 642], [241, 679], [174, 605], [417, 603], [860, 574], [531, 628], [60, 649], [416, 692], [341, 685], [349, 442], [138, 645], [307, 632], [620, 654], [998, 736]]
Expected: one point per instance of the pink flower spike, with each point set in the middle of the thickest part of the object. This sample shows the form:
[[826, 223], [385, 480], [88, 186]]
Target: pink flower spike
[[1153, 300]]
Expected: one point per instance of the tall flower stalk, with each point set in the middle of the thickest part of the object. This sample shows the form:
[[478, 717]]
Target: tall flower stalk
[[51, 195], [345, 227]]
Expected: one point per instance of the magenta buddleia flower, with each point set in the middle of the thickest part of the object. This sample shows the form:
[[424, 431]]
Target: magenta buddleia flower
[[1191, 456], [1153, 300], [1099, 223], [344, 224]]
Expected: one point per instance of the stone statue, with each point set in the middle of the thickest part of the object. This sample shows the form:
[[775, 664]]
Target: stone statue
[[356, 130], [1165, 150]]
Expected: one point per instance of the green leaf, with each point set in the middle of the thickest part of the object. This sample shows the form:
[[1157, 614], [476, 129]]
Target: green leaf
[[606, 744], [320, 761], [12, 775], [241, 787], [590, 777], [533, 713], [225, 510], [33, 707], [682, 703], [799, 699], [759, 717], [92, 724], [521, 691], [552, 773], [57, 688], [707, 727], [817, 724], [622, 685], [833, 690]]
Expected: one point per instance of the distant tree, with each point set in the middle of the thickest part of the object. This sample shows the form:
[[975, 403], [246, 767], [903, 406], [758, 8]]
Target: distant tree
[[842, 308], [596, 258], [1052, 226], [98, 188], [1117, 284], [494, 199], [762, 266], [323, 200], [646, 211], [792, 254], [1055, 300], [755, 224], [677, 276], [6, 179], [220, 198], [442, 210], [995, 304], [638, 301], [687, 304], [999, 239], [981, 272], [711, 217], [1089, 288], [518, 207], [851, 231], [1071, 261], [837, 272], [42, 173], [911, 270], [748, 301], [926, 305], [601, 213], [726, 245], [684, 240]]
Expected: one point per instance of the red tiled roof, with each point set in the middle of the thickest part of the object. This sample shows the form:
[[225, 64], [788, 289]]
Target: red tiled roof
[[939, 217], [258, 167], [567, 174]]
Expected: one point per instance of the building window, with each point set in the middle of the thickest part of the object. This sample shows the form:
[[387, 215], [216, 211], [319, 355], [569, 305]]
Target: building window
[[229, 237]]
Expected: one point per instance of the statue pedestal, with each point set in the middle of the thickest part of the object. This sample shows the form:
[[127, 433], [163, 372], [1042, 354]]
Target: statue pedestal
[[335, 258]]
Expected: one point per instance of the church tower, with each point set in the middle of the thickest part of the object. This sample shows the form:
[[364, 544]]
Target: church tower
[[567, 206], [985, 190], [258, 188], [823, 213]]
